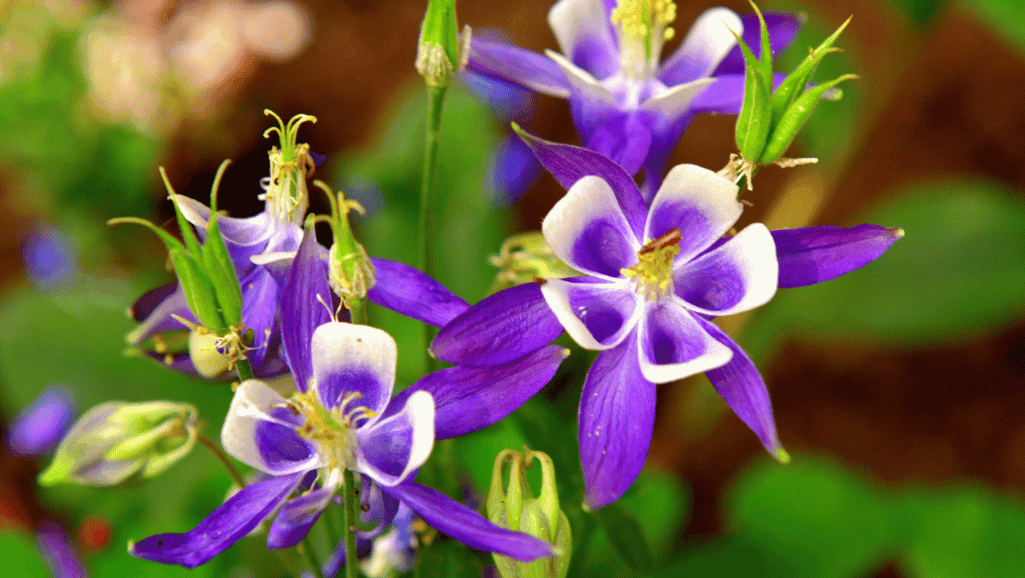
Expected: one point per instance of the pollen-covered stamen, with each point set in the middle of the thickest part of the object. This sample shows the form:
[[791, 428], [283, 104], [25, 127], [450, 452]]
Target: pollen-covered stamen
[[643, 27], [653, 274], [285, 190], [333, 430]]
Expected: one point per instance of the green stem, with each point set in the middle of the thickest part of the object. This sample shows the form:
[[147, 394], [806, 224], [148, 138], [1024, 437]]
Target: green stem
[[358, 310], [349, 499], [306, 551], [220, 455], [244, 370], [435, 99]]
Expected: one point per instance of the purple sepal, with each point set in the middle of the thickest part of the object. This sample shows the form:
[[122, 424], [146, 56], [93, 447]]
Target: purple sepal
[[616, 421], [501, 328], [517, 65], [568, 164], [301, 310], [155, 312], [815, 254], [625, 140], [467, 399], [461, 523], [259, 311], [783, 28], [512, 170], [726, 94], [223, 527], [744, 391], [297, 516], [59, 551], [38, 428], [336, 560], [414, 294]]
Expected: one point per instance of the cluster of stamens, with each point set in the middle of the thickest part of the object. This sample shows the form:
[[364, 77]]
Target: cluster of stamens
[[331, 429], [653, 273], [285, 189], [638, 18]]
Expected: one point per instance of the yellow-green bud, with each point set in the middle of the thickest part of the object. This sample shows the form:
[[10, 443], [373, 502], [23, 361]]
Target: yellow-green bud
[[442, 50], [117, 441], [515, 507]]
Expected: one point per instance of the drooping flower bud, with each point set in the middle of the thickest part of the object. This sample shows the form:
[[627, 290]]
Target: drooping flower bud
[[525, 257], [116, 441], [442, 50], [515, 507]]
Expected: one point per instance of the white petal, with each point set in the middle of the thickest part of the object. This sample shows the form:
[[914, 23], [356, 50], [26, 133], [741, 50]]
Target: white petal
[[582, 80], [708, 41], [253, 407], [573, 20], [674, 102], [700, 203], [619, 306], [351, 358], [407, 435], [672, 345], [739, 275]]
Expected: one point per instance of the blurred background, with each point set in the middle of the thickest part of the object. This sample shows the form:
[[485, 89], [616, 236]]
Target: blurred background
[[898, 389]]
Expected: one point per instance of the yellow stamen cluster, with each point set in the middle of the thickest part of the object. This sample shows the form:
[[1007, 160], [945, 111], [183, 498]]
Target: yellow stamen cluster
[[332, 430], [639, 18], [653, 272]]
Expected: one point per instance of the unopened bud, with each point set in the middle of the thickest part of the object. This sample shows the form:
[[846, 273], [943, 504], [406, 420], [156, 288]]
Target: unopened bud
[[515, 507], [116, 441], [442, 50]]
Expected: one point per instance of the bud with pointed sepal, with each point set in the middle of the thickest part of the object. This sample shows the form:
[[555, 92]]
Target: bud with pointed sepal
[[118, 441], [442, 49]]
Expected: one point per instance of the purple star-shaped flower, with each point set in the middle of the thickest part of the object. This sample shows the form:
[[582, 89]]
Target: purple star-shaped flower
[[654, 279], [625, 103], [343, 416]]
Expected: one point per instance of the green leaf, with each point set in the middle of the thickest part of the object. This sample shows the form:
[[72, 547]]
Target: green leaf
[[957, 273], [20, 556], [920, 12], [1004, 16], [626, 536]]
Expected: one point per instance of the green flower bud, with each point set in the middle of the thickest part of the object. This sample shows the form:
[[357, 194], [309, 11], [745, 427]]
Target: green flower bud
[[442, 49], [350, 272], [117, 441], [525, 257], [517, 509]]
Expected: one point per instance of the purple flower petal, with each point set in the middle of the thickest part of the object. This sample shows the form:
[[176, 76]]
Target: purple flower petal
[[376, 506], [39, 427], [512, 170], [816, 254], [296, 516], [501, 328], [742, 388], [513, 64], [673, 345], [616, 420], [353, 359], [596, 314], [568, 164], [624, 139], [467, 399], [783, 28], [259, 311], [700, 203], [414, 294], [392, 448], [260, 431], [726, 94], [709, 40], [154, 311], [59, 551], [738, 275], [461, 523], [223, 527], [305, 298], [588, 232], [585, 35]]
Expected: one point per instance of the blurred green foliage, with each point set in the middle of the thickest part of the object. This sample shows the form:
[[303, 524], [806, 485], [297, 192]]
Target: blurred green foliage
[[1006, 17]]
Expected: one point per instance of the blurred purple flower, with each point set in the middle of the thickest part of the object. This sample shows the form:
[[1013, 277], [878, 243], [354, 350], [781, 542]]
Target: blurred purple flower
[[38, 428], [512, 170], [60, 554], [48, 258]]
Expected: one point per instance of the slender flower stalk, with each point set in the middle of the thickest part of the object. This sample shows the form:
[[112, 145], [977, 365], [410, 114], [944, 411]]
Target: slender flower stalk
[[349, 501]]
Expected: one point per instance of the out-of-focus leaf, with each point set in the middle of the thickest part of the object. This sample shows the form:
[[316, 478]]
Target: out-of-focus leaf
[[919, 12], [958, 272], [827, 521], [448, 559], [1005, 16], [963, 533], [20, 556], [627, 537]]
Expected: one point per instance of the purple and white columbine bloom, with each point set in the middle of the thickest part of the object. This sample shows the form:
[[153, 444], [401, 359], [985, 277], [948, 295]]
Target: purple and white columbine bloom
[[343, 416], [626, 104], [653, 280]]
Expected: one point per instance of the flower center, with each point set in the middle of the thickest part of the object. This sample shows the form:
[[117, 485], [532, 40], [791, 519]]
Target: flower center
[[331, 429], [653, 274], [642, 30]]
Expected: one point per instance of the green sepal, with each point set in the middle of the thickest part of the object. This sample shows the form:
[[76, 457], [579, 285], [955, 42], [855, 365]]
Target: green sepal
[[766, 45], [199, 290], [794, 118], [219, 266], [169, 241], [755, 112], [794, 84], [191, 241], [441, 28]]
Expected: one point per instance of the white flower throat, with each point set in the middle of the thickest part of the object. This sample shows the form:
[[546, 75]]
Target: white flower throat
[[643, 26], [652, 276]]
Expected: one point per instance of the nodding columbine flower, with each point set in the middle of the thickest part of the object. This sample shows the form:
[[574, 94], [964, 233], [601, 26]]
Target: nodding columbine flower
[[626, 103], [343, 417], [652, 281]]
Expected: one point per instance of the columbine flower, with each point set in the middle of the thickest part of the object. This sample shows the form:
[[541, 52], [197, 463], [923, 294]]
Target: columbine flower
[[625, 103], [343, 416], [653, 280], [38, 428]]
